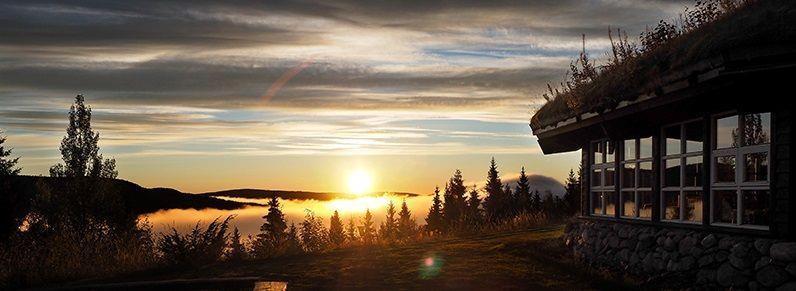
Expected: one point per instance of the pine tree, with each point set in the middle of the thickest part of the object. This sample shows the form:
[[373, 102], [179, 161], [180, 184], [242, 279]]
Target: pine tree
[[453, 207], [495, 201], [367, 231], [473, 208], [536, 202], [523, 192], [8, 167], [511, 202], [434, 218], [407, 226], [389, 228], [79, 148], [271, 239], [351, 232], [572, 196], [336, 233], [293, 242], [237, 251]]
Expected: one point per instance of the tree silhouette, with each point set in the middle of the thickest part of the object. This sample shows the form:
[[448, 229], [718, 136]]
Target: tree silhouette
[[572, 195], [495, 201], [80, 149], [407, 227], [271, 239], [336, 233], [434, 218], [523, 192], [473, 208], [8, 167], [453, 206], [511, 201], [389, 228], [313, 234], [536, 202], [237, 251], [367, 231], [293, 242]]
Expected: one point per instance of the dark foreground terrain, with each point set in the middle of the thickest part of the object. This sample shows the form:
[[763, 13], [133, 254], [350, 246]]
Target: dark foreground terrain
[[528, 259]]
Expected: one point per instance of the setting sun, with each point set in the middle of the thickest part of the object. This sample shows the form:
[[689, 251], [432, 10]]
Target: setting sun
[[359, 182]]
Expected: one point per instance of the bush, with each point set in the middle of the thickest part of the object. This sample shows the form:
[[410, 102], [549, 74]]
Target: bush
[[197, 247]]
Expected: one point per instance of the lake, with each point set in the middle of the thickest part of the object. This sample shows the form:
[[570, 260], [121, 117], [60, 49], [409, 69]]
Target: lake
[[249, 219]]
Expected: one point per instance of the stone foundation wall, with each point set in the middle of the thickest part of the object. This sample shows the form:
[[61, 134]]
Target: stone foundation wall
[[711, 260]]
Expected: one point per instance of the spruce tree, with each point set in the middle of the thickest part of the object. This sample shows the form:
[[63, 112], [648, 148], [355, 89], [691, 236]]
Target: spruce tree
[[272, 236], [80, 149], [389, 228], [406, 224], [536, 202], [495, 201], [367, 231], [523, 192], [511, 203], [293, 242], [313, 234], [453, 207], [351, 232], [473, 207], [336, 233], [237, 251], [572, 195], [8, 166], [434, 218]]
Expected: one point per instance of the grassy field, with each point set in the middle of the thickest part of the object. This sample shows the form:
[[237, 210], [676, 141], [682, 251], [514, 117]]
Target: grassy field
[[527, 259]]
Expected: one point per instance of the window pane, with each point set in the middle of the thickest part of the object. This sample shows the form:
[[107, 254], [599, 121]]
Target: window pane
[[672, 136], [693, 206], [645, 204], [609, 176], [630, 149], [629, 204], [756, 167], [610, 153], [596, 177], [645, 175], [725, 169], [597, 152], [694, 136], [693, 172], [629, 175], [645, 147], [726, 132], [672, 173], [671, 204], [596, 203], [755, 207], [757, 128], [725, 207], [610, 203]]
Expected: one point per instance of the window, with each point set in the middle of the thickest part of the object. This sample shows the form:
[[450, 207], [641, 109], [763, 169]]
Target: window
[[602, 194], [740, 161], [635, 174], [682, 172]]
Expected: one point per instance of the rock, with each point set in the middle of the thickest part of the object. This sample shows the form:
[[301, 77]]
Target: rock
[[728, 276], [791, 268], [686, 244], [705, 260], [790, 286], [772, 276], [726, 243], [706, 276], [696, 252], [721, 256], [687, 263], [613, 242], [709, 241], [784, 251], [659, 241], [623, 233], [762, 246], [762, 262], [669, 244], [742, 263], [754, 286]]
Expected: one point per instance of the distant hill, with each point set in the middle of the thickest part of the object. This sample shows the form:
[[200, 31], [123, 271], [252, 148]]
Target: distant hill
[[286, 194], [136, 199], [542, 183]]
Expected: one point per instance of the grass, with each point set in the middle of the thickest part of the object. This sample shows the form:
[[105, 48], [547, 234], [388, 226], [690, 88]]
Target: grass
[[520, 259]]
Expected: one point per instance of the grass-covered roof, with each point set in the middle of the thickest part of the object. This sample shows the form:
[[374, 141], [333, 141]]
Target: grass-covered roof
[[747, 25]]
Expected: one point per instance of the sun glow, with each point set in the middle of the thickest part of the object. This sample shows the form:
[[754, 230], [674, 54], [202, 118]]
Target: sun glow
[[359, 182]]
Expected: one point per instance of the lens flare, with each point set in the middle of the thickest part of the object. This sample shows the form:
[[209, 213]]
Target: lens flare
[[279, 83], [430, 266]]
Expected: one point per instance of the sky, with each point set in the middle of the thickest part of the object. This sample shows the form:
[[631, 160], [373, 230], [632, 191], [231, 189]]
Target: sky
[[203, 96]]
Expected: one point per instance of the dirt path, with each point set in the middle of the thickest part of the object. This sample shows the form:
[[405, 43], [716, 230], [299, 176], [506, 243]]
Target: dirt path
[[528, 259]]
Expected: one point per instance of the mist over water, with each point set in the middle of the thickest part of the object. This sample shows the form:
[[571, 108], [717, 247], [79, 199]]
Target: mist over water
[[249, 219]]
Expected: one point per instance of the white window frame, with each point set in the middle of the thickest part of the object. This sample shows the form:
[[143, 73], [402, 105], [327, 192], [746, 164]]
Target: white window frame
[[602, 166], [636, 161], [682, 156], [740, 184]]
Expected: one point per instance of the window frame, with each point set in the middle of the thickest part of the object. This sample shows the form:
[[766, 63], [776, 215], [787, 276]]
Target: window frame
[[682, 157], [740, 184], [636, 161], [602, 166]]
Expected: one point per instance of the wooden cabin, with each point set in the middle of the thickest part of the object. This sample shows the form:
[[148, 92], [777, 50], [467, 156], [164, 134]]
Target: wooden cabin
[[698, 137]]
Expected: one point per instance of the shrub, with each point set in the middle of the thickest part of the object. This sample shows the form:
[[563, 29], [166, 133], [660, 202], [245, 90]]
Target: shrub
[[197, 247]]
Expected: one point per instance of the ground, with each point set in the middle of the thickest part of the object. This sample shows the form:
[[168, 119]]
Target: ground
[[528, 259]]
